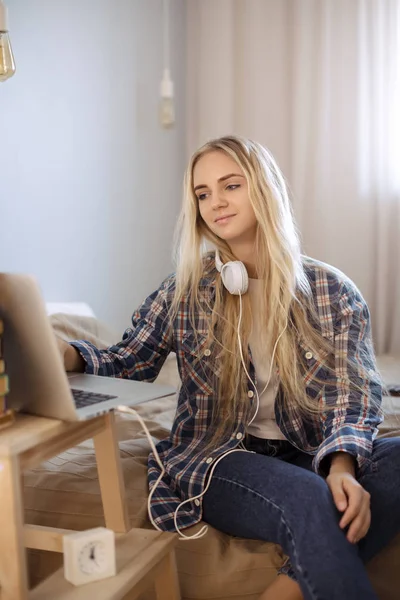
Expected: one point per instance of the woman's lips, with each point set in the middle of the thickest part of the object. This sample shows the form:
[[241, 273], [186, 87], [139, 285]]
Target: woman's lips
[[224, 220]]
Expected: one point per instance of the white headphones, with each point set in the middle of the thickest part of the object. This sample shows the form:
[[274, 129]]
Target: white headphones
[[233, 274]]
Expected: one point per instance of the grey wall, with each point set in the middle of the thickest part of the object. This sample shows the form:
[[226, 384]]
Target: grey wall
[[90, 184]]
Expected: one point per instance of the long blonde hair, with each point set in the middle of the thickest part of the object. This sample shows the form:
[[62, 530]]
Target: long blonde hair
[[287, 292]]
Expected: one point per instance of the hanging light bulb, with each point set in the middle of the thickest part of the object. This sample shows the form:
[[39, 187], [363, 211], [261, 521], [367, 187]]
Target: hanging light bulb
[[167, 111], [7, 64]]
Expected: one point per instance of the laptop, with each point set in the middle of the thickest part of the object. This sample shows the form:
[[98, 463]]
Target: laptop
[[37, 379]]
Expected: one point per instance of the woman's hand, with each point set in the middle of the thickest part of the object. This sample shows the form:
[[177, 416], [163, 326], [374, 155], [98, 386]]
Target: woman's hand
[[71, 358], [349, 497]]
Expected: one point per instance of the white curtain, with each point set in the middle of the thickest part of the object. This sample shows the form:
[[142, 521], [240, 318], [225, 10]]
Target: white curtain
[[316, 81]]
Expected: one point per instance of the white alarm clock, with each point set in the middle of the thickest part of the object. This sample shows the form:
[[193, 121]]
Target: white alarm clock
[[89, 555]]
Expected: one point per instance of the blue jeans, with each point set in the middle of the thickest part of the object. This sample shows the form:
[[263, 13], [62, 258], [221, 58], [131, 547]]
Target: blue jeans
[[273, 495]]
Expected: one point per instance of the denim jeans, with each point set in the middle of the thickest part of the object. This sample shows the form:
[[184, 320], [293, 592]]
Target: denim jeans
[[272, 494]]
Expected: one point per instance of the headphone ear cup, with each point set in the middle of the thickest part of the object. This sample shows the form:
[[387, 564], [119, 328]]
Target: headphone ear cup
[[235, 278]]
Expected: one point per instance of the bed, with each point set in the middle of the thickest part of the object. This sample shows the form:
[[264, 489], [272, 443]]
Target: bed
[[64, 492]]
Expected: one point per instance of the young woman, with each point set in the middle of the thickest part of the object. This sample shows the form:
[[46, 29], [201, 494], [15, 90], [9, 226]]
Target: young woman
[[274, 433]]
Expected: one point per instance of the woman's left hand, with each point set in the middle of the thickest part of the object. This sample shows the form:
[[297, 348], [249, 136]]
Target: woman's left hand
[[349, 496]]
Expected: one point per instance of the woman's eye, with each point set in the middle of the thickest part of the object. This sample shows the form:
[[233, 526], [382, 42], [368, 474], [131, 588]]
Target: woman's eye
[[232, 186], [202, 196]]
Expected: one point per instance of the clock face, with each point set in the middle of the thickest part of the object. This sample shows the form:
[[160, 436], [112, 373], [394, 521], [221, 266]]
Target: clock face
[[92, 557]]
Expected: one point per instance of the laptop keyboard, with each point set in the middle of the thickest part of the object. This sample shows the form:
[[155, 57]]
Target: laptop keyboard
[[83, 398]]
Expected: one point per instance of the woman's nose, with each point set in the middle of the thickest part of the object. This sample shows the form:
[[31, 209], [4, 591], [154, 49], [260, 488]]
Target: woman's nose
[[218, 200]]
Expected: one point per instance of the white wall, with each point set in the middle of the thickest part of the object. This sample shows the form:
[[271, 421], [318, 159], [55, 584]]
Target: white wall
[[90, 185]]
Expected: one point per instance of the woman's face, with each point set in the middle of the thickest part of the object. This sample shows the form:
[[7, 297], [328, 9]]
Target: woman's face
[[222, 193]]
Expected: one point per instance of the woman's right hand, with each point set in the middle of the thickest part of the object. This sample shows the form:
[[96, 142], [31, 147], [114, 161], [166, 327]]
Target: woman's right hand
[[71, 358]]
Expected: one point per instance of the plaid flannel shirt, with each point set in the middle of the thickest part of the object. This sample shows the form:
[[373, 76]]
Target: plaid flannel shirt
[[350, 426]]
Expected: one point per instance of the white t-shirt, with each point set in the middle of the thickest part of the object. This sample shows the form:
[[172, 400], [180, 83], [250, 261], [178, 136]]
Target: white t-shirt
[[264, 424]]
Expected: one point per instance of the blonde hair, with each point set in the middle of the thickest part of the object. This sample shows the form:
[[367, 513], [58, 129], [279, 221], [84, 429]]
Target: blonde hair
[[287, 292]]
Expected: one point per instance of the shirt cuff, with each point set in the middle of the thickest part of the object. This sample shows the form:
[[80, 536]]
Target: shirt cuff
[[90, 355], [355, 440]]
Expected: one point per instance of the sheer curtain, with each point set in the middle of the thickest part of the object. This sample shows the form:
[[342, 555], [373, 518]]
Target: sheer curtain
[[317, 81]]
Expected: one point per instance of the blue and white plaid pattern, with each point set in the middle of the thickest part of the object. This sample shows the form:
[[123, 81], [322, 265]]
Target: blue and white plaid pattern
[[350, 426]]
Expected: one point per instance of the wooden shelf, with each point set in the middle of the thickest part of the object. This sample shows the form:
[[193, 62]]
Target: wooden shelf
[[145, 558], [38, 436], [139, 552]]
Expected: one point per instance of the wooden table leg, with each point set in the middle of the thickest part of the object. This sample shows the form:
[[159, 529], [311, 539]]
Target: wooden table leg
[[13, 573], [111, 478], [166, 582]]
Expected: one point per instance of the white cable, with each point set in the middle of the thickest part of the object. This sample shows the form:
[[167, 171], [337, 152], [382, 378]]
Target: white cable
[[242, 357], [244, 366], [204, 529], [128, 409], [166, 34]]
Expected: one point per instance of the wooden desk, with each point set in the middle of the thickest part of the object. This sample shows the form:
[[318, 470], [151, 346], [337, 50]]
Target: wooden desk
[[32, 440]]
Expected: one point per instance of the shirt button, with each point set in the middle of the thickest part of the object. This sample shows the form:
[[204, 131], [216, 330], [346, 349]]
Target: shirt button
[[309, 355], [239, 436], [250, 394], [197, 502], [207, 352], [209, 460]]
